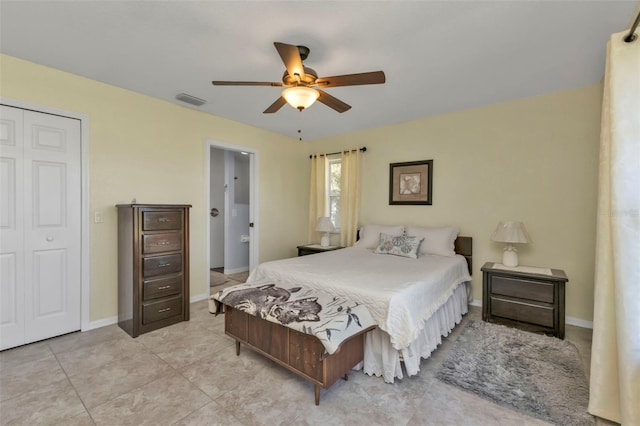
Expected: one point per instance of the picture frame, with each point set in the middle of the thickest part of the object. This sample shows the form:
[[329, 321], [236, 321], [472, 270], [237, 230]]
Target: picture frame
[[411, 183]]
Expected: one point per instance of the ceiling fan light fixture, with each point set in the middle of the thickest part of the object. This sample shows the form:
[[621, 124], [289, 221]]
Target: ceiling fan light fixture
[[300, 97]]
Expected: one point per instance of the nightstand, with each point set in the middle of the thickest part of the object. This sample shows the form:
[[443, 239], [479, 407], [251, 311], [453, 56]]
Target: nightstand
[[528, 298], [315, 248]]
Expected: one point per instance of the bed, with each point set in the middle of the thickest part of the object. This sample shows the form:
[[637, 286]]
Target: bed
[[414, 301]]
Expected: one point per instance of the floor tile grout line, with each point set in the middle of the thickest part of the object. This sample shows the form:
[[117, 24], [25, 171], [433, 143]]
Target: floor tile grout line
[[169, 373], [37, 360], [81, 346], [145, 383], [193, 411], [75, 390], [211, 398]]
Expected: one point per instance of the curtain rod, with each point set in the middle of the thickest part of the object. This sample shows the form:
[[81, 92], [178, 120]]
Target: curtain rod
[[631, 36], [363, 149]]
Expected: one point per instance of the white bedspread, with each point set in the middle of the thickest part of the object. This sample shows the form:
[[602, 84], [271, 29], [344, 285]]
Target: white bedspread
[[400, 293]]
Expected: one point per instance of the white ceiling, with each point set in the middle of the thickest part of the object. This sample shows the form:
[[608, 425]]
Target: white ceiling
[[438, 56]]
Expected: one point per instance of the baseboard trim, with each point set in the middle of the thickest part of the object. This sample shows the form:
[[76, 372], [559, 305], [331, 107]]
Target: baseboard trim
[[114, 320], [101, 323], [236, 270], [578, 322], [198, 298]]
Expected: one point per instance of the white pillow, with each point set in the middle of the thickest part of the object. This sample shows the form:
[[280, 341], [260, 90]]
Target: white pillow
[[439, 241], [370, 234]]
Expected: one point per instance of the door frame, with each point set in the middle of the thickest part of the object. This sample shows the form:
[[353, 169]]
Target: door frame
[[253, 200], [85, 276]]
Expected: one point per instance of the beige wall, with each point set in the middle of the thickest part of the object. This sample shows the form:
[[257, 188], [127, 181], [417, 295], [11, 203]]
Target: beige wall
[[154, 151], [533, 160]]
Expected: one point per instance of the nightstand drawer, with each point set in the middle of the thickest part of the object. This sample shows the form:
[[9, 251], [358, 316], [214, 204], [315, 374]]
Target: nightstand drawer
[[522, 311], [522, 289]]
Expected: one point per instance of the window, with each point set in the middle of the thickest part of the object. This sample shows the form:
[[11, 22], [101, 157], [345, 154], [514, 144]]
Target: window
[[334, 175]]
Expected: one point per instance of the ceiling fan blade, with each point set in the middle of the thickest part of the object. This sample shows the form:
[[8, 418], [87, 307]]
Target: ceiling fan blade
[[274, 107], [374, 77], [246, 83], [333, 102], [290, 55]]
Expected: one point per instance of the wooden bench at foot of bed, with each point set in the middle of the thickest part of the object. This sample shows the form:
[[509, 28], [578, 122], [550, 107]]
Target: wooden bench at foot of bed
[[301, 353]]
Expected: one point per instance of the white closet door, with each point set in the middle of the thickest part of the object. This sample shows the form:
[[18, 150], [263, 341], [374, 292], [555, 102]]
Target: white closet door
[[47, 203], [11, 228]]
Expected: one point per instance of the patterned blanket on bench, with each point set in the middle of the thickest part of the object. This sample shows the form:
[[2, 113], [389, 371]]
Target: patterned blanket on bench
[[331, 319]]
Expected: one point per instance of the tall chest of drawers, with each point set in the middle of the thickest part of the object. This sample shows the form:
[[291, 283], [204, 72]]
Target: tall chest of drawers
[[153, 266]]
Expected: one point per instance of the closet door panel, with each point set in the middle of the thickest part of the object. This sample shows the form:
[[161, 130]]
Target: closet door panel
[[52, 263], [11, 228]]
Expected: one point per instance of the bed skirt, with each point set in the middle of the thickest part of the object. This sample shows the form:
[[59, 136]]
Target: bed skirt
[[382, 359]]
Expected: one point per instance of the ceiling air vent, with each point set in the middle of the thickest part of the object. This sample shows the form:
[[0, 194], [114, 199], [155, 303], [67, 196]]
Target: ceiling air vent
[[190, 99]]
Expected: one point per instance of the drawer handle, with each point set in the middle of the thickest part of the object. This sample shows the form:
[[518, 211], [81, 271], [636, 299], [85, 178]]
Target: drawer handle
[[163, 265], [164, 287], [163, 310], [163, 243], [164, 219]]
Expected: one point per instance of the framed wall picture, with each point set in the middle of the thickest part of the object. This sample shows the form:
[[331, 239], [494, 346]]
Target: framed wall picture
[[411, 183]]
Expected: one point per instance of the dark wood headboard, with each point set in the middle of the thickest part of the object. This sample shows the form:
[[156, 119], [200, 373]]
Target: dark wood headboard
[[464, 247]]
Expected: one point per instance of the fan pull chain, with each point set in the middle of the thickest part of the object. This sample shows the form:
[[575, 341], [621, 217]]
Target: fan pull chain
[[300, 119]]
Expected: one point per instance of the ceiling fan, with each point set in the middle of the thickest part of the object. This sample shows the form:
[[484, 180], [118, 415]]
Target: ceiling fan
[[303, 87]]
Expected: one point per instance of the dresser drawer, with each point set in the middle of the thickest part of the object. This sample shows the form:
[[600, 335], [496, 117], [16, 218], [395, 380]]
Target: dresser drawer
[[522, 311], [523, 289], [157, 311], [161, 287], [161, 265], [159, 243], [159, 221]]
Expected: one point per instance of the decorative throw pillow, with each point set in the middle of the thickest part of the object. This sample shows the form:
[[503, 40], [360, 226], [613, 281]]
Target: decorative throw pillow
[[404, 246]]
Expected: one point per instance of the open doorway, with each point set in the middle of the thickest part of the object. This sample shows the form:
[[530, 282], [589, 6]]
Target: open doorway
[[231, 202]]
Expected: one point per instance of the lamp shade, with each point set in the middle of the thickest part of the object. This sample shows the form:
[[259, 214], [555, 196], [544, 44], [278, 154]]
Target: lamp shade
[[511, 232], [325, 225], [300, 97]]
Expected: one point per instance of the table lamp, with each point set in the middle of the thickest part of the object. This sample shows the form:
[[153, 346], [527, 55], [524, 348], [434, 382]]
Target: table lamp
[[325, 225], [511, 233]]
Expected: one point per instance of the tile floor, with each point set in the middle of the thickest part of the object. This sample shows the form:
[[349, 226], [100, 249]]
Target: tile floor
[[188, 374]]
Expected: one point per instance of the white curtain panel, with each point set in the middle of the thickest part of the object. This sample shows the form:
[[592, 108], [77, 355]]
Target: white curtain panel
[[615, 356], [349, 196], [317, 194]]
